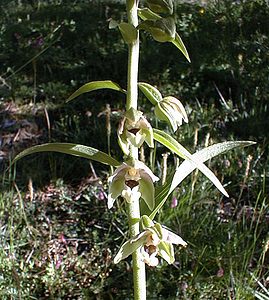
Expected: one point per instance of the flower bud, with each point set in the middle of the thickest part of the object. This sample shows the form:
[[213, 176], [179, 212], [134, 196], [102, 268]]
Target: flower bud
[[161, 6], [162, 30], [171, 110]]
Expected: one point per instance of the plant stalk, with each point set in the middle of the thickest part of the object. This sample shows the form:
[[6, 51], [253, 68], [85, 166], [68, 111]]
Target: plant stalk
[[139, 273]]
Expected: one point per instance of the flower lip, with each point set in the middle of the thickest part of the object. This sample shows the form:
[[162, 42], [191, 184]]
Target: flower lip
[[148, 255]]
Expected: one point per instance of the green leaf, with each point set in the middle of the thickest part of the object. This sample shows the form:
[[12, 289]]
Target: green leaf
[[150, 92], [147, 14], [180, 45], [96, 85], [72, 149], [187, 167], [177, 148]]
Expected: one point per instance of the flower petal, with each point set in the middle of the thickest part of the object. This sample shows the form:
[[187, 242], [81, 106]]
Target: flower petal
[[119, 172], [144, 170], [170, 237]]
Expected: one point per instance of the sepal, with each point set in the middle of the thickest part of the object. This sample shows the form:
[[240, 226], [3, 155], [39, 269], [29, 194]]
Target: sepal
[[129, 247]]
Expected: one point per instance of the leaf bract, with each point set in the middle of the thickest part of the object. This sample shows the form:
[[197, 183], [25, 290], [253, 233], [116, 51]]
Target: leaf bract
[[187, 167]]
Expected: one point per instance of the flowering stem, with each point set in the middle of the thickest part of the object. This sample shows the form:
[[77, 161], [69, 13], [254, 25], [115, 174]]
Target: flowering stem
[[133, 56], [139, 273]]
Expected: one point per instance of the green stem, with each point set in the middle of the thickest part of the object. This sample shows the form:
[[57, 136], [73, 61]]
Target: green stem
[[133, 57], [139, 273]]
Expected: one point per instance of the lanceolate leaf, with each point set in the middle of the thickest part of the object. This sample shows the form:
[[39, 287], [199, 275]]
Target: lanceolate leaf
[[177, 148], [170, 143], [150, 92], [187, 167], [72, 149], [180, 45], [96, 85]]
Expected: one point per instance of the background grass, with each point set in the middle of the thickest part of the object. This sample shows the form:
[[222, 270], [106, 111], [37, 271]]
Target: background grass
[[57, 237]]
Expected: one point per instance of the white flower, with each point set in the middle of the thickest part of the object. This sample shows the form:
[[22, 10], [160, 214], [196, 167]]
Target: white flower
[[132, 182], [153, 241], [134, 129]]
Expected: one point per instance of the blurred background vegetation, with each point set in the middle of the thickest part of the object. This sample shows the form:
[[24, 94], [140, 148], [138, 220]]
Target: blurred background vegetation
[[57, 237]]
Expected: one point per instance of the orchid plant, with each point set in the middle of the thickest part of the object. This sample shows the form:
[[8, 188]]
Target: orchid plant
[[132, 179]]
